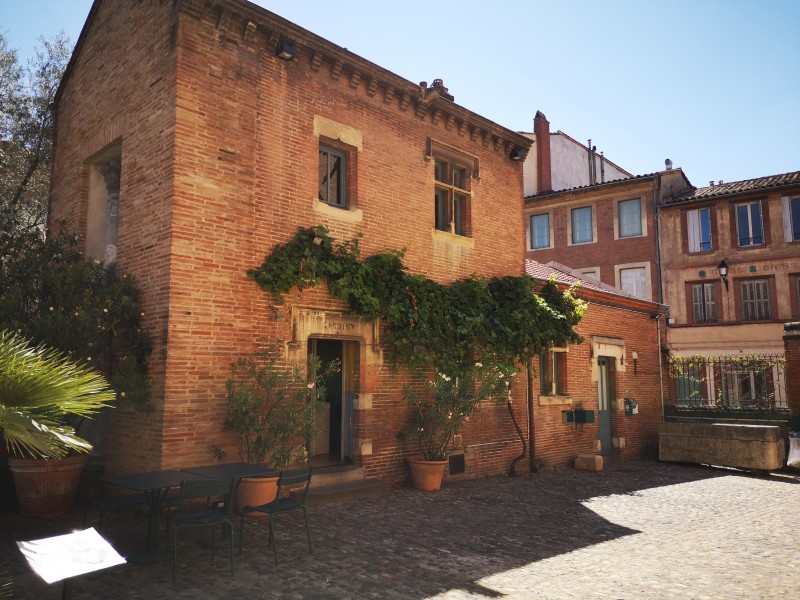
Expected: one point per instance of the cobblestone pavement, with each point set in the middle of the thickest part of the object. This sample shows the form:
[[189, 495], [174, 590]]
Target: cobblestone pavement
[[638, 530]]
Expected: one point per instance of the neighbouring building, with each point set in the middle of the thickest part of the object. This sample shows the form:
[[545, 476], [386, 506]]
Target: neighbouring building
[[751, 229], [558, 162], [194, 136], [619, 359], [605, 230]]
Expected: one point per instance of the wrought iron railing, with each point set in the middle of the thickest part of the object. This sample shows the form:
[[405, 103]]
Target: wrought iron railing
[[738, 385]]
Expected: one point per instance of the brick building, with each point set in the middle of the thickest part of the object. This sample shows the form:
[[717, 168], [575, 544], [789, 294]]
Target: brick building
[[604, 230], [192, 137], [619, 358], [751, 229]]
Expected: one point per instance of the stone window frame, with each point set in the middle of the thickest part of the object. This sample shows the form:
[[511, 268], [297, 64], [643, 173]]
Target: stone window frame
[[593, 207], [449, 190], [647, 277], [617, 221], [549, 215]]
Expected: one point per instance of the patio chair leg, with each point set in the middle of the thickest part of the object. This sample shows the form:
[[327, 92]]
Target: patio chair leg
[[241, 532], [308, 531], [272, 539], [231, 531], [175, 557]]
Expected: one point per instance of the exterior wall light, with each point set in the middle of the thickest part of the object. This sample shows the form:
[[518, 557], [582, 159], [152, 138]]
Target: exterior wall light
[[285, 51], [722, 267], [517, 154]]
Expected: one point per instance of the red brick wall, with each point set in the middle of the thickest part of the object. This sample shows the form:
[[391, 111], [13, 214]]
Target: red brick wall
[[120, 90], [219, 163], [791, 345], [557, 443], [605, 252]]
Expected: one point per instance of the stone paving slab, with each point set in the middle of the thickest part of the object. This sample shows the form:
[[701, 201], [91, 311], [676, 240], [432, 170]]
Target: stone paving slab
[[638, 529]]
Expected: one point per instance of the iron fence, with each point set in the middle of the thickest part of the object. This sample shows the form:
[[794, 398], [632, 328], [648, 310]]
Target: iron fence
[[743, 382]]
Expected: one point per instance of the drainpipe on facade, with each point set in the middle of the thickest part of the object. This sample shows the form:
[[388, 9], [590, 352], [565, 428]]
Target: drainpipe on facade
[[656, 187], [531, 434], [660, 365]]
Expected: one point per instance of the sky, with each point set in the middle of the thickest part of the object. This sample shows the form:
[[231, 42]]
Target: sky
[[713, 85]]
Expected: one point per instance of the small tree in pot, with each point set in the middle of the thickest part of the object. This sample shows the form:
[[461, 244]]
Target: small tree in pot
[[271, 405], [441, 411]]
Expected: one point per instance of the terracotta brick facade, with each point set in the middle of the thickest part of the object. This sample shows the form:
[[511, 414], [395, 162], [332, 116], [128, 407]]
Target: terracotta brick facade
[[219, 144], [636, 375]]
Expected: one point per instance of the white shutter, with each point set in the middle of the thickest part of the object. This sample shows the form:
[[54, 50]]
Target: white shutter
[[787, 219], [693, 230]]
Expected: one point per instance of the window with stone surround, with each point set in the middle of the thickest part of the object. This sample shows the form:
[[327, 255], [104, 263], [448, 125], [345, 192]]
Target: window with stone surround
[[453, 175]]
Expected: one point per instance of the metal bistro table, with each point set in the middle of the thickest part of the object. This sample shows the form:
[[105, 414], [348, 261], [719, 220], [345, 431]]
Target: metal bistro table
[[155, 484], [231, 471]]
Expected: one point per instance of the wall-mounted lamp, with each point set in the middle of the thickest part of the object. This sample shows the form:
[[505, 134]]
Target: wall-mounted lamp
[[722, 267], [278, 314], [285, 51], [517, 154]]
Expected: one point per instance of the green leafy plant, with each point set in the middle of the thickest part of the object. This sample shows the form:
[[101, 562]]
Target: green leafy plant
[[499, 320], [39, 388], [49, 294], [271, 404], [446, 403]]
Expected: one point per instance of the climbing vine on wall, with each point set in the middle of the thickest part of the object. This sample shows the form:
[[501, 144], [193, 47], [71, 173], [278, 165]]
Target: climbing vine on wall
[[498, 320]]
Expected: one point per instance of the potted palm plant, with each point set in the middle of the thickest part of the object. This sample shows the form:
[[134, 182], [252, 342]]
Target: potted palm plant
[[271, 406], [40, 389], [440, 412]]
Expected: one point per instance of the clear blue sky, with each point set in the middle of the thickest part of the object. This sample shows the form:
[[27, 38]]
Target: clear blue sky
[[712, 84]]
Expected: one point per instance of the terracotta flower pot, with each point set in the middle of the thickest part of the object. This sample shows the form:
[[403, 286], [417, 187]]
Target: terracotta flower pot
[[47, 488], [426, 475], [255, 491]]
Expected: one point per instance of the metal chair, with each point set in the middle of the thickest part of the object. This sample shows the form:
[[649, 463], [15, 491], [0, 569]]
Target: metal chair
[[282, 505], [191, 514]]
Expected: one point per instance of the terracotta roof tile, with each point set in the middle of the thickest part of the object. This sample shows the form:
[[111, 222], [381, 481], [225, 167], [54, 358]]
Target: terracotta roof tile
[[739, 187]]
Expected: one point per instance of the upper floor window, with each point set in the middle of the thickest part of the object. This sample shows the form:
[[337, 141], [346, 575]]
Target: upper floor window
[[698, 225], [791, 219], [332, 176], [749, 225], [630, 218], [452, 196], [540, 231], [634, 282], [704, 303], [755, 300], [582, 227]]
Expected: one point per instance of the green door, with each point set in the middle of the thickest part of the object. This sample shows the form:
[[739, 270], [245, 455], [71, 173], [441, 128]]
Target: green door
[[604, 404]]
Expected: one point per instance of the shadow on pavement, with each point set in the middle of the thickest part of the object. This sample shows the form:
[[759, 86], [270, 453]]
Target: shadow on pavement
[[406, 544]]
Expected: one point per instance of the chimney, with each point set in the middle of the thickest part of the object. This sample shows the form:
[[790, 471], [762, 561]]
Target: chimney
[[711, 183], [668, 164], [541, 128]]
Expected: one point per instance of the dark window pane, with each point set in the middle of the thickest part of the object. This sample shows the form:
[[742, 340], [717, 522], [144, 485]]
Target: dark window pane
[[743, 221], [795, 209], [442, 212], [705, 229], [755, 225]]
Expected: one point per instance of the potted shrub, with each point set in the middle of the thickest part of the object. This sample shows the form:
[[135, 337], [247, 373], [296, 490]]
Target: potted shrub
[[40, 389], [440, 412], [271, 406]]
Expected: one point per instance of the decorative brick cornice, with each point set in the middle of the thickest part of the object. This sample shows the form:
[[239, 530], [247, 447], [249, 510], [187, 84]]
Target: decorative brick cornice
[[260, 27]]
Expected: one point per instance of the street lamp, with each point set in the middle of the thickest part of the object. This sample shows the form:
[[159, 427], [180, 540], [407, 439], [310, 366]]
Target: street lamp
[[722, 267]]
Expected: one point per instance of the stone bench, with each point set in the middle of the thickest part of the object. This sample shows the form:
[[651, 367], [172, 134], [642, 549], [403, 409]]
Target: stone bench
[[751, 447]]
